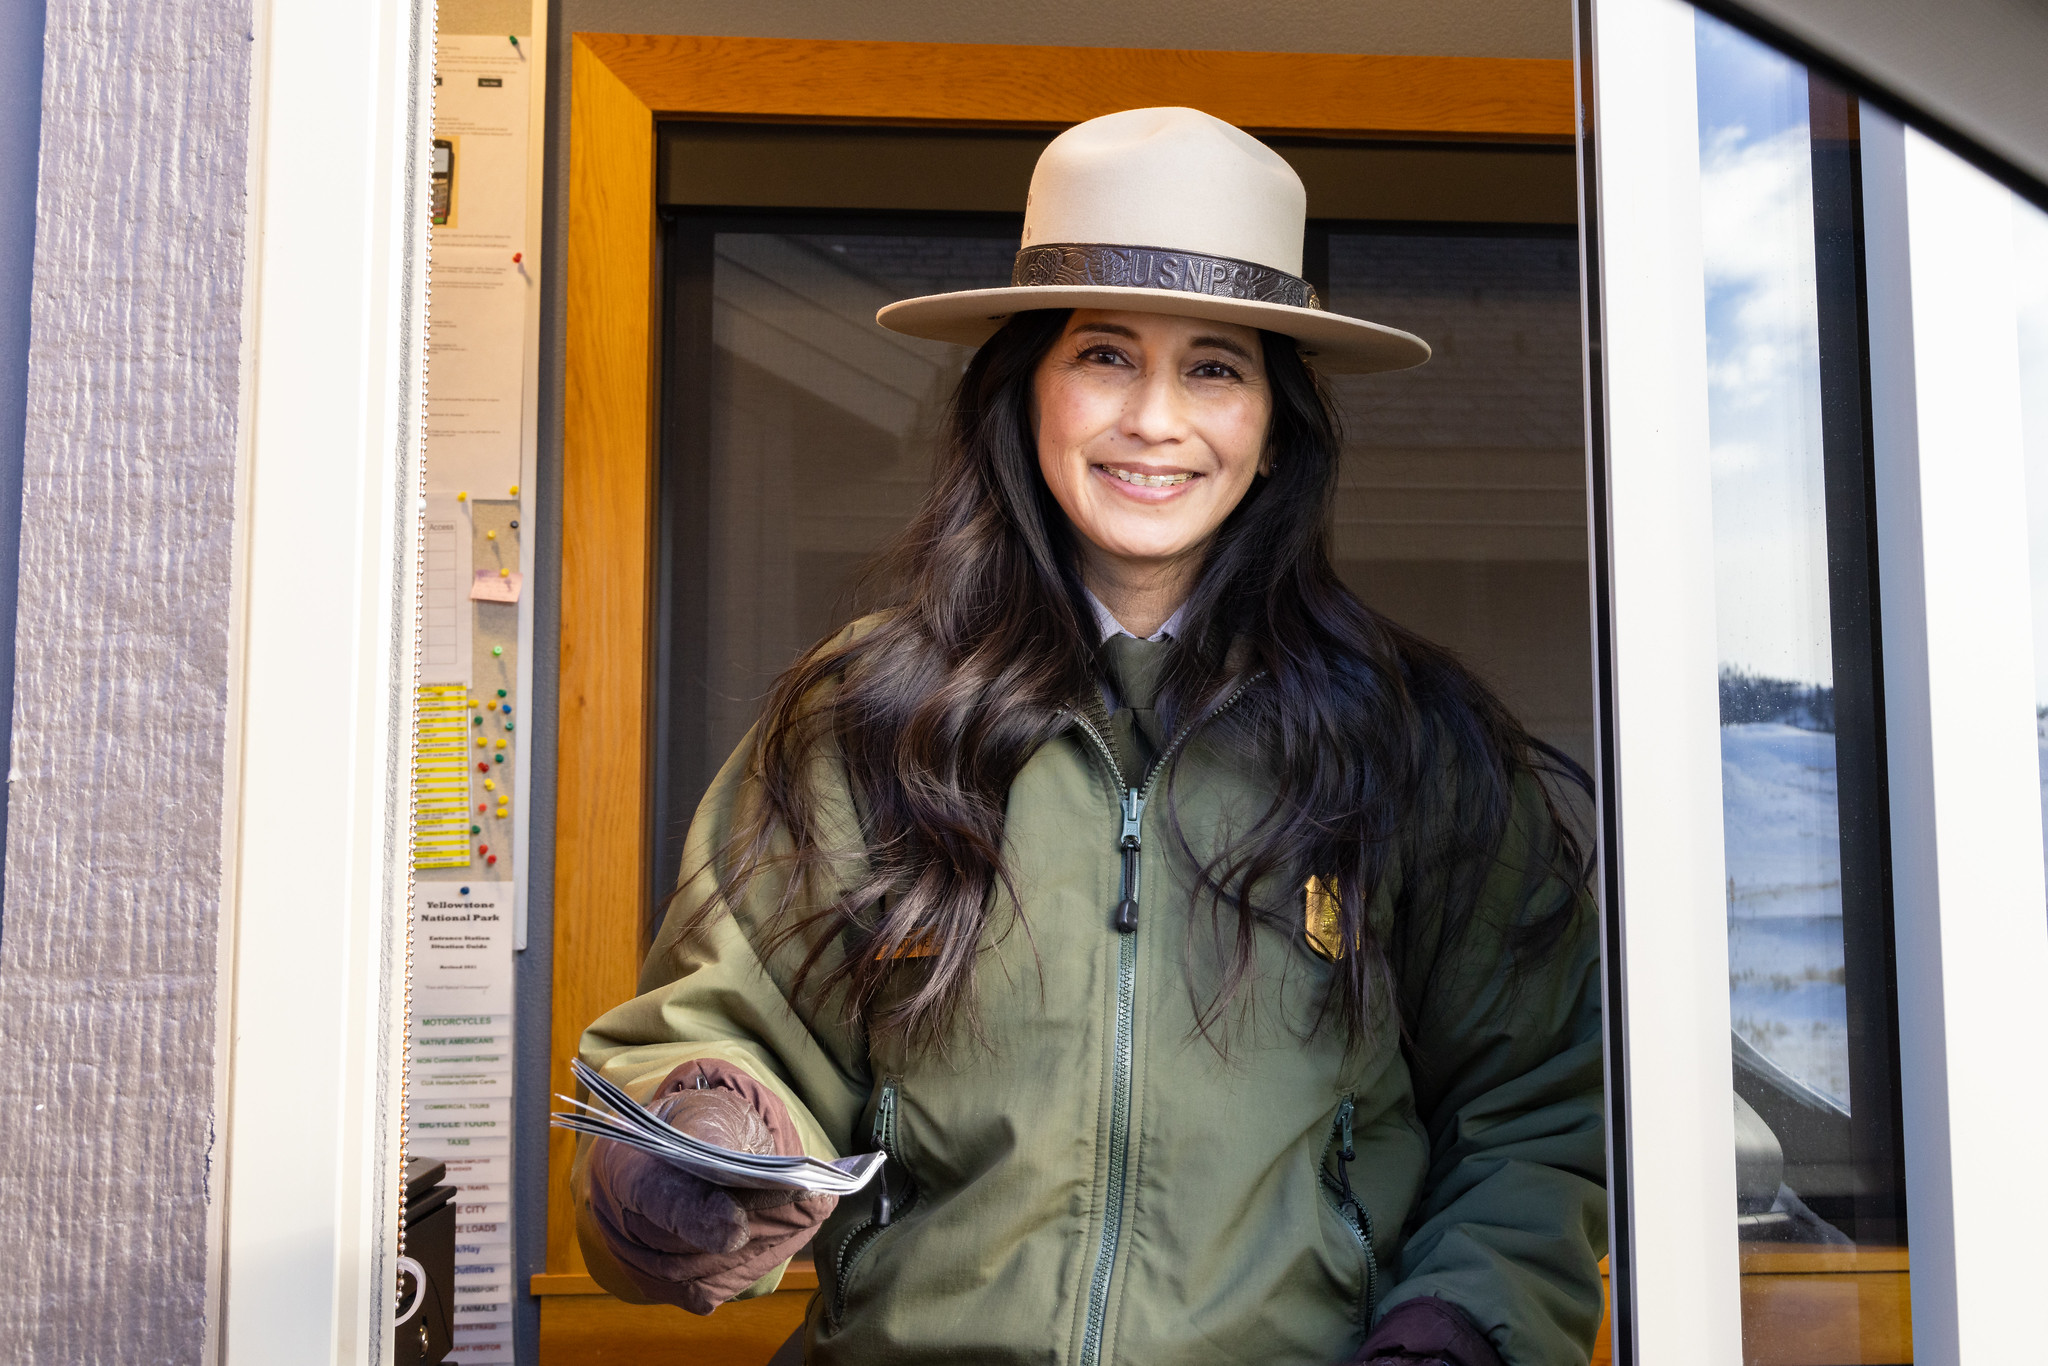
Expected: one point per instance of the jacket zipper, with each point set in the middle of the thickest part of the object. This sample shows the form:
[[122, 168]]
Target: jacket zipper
[[1124, 920], [1349, 1207], [871, 1228]]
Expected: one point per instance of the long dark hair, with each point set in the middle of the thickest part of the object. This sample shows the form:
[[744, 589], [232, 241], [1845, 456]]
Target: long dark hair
[[1392, 765]]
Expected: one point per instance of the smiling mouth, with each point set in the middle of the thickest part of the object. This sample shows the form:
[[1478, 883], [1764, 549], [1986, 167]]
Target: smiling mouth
[[1146, 481]]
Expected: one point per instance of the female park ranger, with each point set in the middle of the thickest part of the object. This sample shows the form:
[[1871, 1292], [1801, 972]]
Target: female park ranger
[[1205, 951]]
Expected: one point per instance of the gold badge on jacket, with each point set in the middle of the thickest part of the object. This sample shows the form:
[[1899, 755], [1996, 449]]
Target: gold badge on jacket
[[1319, 923]]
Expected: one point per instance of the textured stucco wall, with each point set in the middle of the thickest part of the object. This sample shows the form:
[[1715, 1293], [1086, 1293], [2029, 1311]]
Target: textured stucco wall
[[108, 960]]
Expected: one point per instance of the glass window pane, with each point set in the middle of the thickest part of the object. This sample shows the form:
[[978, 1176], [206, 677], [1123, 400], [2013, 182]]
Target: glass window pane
[[1819, 1187], [798, 437], [1463, 506]]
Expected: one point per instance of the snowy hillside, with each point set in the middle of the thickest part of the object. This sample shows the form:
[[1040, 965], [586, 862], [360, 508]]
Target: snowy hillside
[[1785, 899]]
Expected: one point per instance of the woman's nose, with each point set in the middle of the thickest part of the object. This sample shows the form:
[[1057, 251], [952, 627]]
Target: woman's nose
[[1156, 413]]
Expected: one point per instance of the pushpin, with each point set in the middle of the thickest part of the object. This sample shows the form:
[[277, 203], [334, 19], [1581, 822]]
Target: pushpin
[[465, 891], [483, 848], [501, 742], [497, 649], [476, 829], [517, 257], [487, 782], [484, 768], [515, 524], [479, 808], [512, 38], [492, 859], [508, 724], [505, 707], [501, 692], [476, 720], [490, 535], [515, 490], [504, 573], [479, 742], [462, 497]]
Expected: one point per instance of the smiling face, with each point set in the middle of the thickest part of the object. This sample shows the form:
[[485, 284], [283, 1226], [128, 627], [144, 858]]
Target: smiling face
[[1150, 430]]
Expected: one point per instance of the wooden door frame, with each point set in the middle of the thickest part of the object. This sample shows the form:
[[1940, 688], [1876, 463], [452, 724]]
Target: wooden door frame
[[620, 86]]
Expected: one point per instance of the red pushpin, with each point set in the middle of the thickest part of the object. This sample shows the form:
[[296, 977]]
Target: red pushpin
[[483, 848], [483, 768], [492, 859], [517, 257], [480, 808]]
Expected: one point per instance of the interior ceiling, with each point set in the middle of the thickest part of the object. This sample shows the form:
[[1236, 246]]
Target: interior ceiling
[[1450, 28]]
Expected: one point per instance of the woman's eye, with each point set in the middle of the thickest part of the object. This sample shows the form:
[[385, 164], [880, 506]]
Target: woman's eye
[[1103, 355], [1215, 369]]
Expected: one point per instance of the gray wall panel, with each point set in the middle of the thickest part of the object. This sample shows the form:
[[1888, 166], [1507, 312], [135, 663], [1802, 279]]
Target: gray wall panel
[[108, 963]]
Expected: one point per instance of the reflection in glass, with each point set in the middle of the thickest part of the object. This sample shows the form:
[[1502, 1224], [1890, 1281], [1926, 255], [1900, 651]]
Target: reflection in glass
[[1819, 1183], [1462, 510], [798, 437]]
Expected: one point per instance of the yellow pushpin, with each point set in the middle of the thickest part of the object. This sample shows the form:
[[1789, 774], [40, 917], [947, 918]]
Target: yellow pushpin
[[479, 742], [501, 743], [490, 535], [504, 573], [515, 490], [462, 497], [489, 786]]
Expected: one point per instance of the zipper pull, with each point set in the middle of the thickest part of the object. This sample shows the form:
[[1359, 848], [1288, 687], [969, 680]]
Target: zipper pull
[[1347, 1153], [1126, 918], [885, 1114]]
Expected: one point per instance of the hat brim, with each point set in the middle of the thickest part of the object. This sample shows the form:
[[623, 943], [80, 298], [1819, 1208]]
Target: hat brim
[[1334, 342]]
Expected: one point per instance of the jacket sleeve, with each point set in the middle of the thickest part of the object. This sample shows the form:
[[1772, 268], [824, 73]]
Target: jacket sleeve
[[1506, 1061], [716, 993]]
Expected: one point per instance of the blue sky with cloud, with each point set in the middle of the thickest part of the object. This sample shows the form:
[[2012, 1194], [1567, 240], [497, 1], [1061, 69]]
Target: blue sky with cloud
[[1763, 359]]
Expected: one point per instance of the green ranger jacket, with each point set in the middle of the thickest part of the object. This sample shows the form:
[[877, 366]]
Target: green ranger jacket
[[1096, 1182]]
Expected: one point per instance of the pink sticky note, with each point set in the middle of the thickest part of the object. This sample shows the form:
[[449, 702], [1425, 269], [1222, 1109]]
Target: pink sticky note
[[491, 586]]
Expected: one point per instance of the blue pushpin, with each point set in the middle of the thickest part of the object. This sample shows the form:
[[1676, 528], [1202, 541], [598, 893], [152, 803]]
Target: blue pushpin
[[465, 891], [505, 707]]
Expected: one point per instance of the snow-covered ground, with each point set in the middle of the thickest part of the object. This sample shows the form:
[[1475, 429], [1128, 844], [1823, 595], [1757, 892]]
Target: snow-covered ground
[[1785, 974]]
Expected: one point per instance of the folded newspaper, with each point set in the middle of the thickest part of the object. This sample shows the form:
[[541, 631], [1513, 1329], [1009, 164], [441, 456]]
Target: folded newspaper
[[619, 1117]]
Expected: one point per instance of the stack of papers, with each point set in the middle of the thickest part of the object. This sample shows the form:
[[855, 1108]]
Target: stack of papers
[[619, 1117]]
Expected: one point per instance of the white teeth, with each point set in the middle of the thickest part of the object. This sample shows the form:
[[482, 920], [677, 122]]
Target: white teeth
[[1149, 481]]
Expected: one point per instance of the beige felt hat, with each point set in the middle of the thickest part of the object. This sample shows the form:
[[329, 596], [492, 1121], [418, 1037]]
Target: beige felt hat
[[1164, 211]]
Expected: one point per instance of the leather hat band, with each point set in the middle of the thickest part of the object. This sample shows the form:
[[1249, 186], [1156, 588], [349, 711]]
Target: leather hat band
[[1091, 263]]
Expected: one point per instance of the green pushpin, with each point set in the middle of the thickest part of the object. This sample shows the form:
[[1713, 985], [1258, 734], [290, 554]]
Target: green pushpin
[[512, 38], [501, 692], [497, 649], [499, 757], [476, 829], [508, 725], [476, 720]]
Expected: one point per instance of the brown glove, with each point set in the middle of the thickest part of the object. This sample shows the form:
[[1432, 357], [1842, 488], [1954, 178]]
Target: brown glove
[[680, 1239], [1427, 1331]]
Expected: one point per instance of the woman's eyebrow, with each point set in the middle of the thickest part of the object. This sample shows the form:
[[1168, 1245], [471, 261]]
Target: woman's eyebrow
[[1224, 344], [1107, 329]]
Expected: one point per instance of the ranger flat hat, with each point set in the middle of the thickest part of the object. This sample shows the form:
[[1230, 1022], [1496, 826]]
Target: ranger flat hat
[[1164, 211]]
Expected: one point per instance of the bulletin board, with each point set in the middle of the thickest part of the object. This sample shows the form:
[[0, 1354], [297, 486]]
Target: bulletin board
[[476, 632]]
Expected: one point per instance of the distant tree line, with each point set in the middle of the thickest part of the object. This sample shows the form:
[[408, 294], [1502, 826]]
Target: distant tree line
[[1748, 697]]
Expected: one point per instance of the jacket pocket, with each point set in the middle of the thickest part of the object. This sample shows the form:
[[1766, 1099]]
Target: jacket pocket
[[1339, 1152], [895, 1195]]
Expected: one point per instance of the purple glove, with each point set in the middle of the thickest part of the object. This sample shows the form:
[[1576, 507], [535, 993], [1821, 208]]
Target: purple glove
[[680, 1239], [1427, 1332]]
